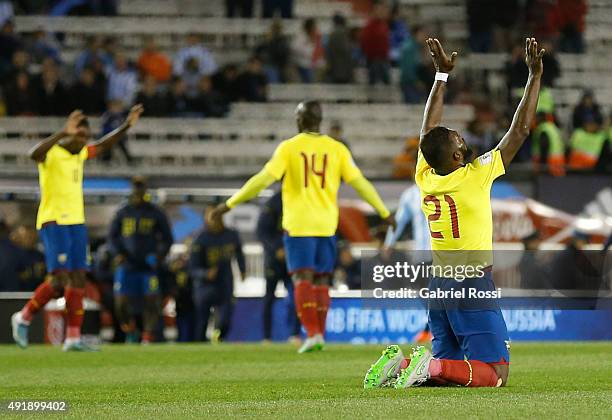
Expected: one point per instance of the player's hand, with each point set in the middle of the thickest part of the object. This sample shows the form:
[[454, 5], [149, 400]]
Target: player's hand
[[211, 275], [533, 57], [72, 124], [216, 214], [134, 115], [441, 61], [390, 221]]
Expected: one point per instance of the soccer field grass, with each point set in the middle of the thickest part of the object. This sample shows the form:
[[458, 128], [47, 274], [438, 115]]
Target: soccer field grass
[[547, 380]]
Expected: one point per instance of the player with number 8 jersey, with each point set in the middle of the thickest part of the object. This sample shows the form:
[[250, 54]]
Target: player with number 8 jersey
[[311, 166]]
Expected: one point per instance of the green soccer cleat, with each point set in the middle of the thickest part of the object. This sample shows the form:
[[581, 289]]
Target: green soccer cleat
[[417, 371], [78, 346], [20, 330], [385, 369]]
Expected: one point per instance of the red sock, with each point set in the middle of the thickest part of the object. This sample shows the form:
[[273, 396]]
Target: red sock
[[321, 293], [306, 307], [42, 295], [472, 373], [74, 310]]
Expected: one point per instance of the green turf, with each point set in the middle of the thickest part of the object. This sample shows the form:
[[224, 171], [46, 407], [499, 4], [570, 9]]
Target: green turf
[[547, 380]]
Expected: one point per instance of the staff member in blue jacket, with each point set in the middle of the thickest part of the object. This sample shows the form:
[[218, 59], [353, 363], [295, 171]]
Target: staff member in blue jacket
[[140, 238], [210, 268], [270, 233]]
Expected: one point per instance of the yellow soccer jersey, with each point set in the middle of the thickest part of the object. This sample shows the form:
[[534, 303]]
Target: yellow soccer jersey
[[458, 205], [61, 187], [312, 167]]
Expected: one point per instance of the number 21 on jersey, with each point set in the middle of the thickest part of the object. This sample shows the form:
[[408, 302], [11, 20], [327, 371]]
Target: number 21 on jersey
[[452, 207], [310, 167]]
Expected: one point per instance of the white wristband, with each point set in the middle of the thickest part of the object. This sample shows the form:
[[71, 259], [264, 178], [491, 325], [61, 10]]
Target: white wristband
[[441, 76]]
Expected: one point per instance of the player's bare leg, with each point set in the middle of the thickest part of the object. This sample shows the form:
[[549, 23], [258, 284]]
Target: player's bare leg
[[306, 308], [20, 321], [150, 317]]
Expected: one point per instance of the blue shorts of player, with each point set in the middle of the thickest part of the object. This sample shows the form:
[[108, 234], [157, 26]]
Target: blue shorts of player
[[65, 247], [135, 283], [469, 328], [317, 253]]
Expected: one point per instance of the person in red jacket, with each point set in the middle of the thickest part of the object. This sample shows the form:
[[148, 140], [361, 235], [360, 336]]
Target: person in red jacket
[[375, 44]]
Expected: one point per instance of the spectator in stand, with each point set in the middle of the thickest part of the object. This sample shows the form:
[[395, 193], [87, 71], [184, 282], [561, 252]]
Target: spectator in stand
[[375, 44], [283, 7], [405, 162], [348, 270], [336, 132], [21, 97], [480, 24], [207, 102], [195, 57], [253, 82], [225, 82], [239, 8], [122, 81], [44, 45], [10, 261], [409, 63], [275, 52], [20, 63], [587, 145], [573, 16], [87, 94], [507, 19], [53, 96], [544, 19], [32, 268], [339, 53], [178, 103], [547, 146], [153, 101], [307, 50], [152, 62], [399, 32], [587, 108], [93, 52], [112, 119], [9, 44]]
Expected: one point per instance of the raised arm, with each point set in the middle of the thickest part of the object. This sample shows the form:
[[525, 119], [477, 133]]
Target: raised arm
[[112, 138], [525, 112], [38, 153], [435, 102]]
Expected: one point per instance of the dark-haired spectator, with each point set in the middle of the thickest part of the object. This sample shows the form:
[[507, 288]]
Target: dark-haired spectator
[[544, 19], [398, 31], [112, 119], [122, 81], [207, 102], [177, 100], [53, 96], [195, 56], [44, 45], [375, 44], [253, 82], [480, 24], [339, 53], [587, 108], [93, 52], [153, 62], [88, 93], [20, 96], [10, 261], [307, 50], [9, 43], [225, 82], [275, 52], [153, 101], [410, 60], [587, 145], [32, 268], [283, 7], [348, 269], [239, 8], [573, 15], [20, 63]]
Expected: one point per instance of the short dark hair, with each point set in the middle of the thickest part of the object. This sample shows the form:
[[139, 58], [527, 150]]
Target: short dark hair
[[434, 144]]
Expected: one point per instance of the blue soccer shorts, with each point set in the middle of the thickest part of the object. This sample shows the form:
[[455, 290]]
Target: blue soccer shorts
[[473, 329], [135, 283], [66, 247], [316, 253]]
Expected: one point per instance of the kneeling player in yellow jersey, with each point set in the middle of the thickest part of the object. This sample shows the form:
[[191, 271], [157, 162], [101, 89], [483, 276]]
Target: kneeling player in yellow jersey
[[61, 221], [311, 166], [470, 339]]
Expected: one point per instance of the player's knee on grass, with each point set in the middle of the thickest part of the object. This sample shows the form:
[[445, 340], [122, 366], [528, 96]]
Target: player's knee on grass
[[303, 275], [502, 372]]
